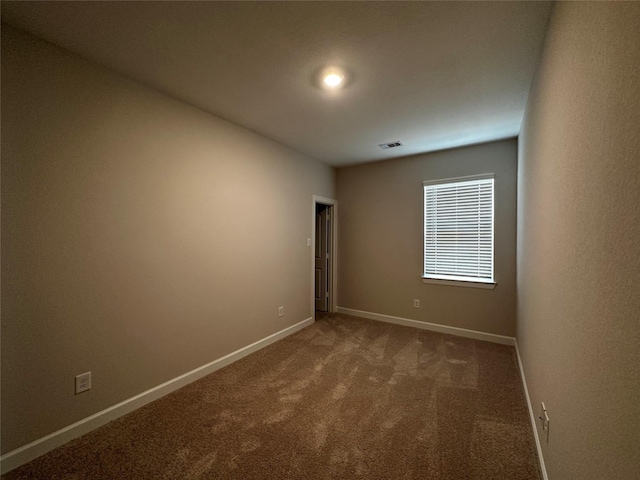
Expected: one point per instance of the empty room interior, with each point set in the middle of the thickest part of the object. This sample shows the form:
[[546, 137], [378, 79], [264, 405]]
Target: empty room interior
[[247, 240]]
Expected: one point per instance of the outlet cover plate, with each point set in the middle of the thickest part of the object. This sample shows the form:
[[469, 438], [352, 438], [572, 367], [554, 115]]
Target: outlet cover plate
[[83, 382]]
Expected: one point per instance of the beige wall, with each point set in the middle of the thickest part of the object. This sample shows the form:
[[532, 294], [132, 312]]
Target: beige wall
[[579, 241], [381, 246], [141, 237]]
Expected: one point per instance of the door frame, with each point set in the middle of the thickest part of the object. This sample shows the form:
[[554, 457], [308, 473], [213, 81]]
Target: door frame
[[332, 203]]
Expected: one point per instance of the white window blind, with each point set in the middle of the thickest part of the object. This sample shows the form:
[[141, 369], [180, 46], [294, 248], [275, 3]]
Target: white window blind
[[458, 229]]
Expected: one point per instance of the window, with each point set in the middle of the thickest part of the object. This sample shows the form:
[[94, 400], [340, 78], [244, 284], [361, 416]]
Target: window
[[458, 231]]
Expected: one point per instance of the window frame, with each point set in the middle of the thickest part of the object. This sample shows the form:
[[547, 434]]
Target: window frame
[[444, 279]]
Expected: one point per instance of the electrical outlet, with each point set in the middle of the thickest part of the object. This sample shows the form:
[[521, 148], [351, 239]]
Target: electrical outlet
[[281, 311], [308, 242], [83, 382], [544, 419], [416, 303], [543, 412]]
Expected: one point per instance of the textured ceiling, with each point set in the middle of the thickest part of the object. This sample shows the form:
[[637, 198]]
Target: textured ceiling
[[433, 75]]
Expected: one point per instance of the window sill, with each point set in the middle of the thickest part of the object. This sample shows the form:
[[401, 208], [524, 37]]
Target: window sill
[[460, 283]]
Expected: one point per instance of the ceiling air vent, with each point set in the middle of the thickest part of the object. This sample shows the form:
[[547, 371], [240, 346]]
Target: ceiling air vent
[[384, 146]]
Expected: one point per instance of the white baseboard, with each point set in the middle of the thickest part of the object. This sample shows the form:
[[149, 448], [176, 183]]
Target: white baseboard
[[434, 327], [39, 447], [534, 424]]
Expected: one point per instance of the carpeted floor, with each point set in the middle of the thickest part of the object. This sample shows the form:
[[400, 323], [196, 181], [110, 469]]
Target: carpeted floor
[[344, 398]]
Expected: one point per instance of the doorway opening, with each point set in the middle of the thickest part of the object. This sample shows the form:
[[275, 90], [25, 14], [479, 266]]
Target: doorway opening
[[323, 256]]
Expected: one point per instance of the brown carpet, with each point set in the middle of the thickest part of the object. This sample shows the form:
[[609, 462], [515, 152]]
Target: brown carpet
[[344, 398]]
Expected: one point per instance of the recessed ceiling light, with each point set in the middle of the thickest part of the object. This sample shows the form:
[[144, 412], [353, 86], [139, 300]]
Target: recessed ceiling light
[[333, 79]]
